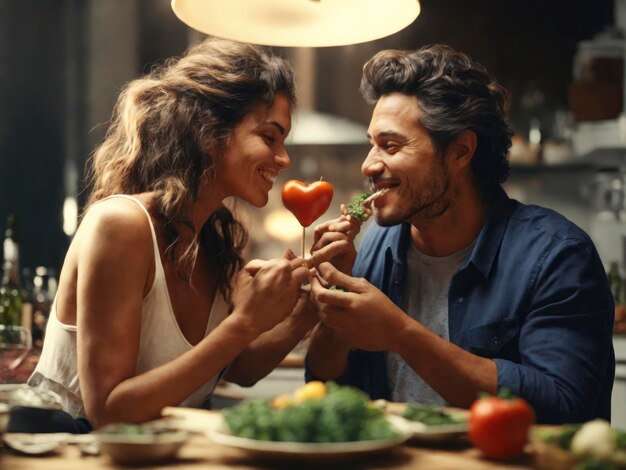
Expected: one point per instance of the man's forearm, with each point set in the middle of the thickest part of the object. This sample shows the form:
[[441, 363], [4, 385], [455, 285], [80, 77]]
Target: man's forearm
[[456, 374]]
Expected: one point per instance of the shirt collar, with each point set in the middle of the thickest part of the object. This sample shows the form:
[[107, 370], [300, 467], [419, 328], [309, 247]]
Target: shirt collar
[[398, 244], [487, 243], [490, 236]]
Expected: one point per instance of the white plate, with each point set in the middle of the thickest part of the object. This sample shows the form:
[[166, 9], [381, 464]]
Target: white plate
[[24, 395], [312, 449], [436, 433], [37, 444], [432, 433]]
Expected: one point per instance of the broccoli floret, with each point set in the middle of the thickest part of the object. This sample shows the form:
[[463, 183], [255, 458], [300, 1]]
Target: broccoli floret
[[356, 209], [342, 415]]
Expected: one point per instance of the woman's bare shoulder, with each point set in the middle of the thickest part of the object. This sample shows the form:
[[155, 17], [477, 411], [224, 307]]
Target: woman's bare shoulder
[[117, 221]]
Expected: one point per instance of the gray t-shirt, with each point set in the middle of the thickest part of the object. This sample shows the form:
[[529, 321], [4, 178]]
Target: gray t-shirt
[[426, 301]]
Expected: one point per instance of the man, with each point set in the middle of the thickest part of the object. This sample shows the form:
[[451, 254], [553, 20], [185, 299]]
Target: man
[[458, 289]]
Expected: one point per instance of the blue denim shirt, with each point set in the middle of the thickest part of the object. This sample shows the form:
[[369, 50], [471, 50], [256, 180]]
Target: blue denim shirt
[[533, 296]]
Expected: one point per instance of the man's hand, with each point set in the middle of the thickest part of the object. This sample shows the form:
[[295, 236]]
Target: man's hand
[[364, 317], [334, 242]]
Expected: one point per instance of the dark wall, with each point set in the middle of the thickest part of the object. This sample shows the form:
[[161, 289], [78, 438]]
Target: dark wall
[[45, 128], [529, 46], [32, 124], [161, 34]]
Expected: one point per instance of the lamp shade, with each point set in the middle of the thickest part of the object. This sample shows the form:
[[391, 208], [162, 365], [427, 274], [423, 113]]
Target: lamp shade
[[298, 23]]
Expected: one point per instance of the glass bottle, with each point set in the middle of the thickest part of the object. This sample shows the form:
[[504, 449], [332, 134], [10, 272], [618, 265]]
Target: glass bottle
[[43, 291], [10, 247], [15, 335], [11, 296]]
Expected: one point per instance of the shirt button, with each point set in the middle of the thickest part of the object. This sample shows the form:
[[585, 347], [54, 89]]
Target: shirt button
[[495, 342], [461, 300]]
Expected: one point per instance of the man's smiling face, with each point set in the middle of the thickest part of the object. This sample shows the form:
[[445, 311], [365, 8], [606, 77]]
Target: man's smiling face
[[404, 160]]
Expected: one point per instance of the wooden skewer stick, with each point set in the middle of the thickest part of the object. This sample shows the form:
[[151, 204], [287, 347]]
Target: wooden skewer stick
[[303, 236], [376, 195]]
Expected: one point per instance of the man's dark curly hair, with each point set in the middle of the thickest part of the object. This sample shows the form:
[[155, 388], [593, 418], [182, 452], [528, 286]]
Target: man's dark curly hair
[[454, 94]]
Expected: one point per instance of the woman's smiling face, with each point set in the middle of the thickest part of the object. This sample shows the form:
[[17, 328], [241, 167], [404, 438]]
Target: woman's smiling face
[[255, 153]]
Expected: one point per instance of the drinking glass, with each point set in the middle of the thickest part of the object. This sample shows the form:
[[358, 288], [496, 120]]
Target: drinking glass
[[15, 345]]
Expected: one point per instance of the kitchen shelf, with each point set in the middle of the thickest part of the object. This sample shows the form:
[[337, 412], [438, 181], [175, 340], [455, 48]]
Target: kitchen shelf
[[531, 168], [605, 159]]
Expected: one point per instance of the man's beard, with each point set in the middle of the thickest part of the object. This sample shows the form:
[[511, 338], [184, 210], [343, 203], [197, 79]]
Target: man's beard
[[426, 206]]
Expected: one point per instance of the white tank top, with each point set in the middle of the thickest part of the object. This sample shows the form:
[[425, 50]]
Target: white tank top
[[160, 342]]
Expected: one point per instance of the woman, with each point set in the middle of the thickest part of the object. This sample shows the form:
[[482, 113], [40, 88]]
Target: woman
[[154, 300]]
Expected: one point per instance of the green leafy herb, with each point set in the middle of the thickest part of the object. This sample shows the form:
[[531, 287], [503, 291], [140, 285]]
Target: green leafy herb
[[356, 209], [595, 464], [430, 415], [562, 437], [620, 438]]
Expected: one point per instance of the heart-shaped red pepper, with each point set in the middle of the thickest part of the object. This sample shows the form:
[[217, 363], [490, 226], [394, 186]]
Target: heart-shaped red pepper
[[307, 201]]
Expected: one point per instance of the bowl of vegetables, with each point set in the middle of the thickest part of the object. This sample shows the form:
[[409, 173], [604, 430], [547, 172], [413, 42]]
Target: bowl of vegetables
[[140, 443], [316, 421], [594, 444]]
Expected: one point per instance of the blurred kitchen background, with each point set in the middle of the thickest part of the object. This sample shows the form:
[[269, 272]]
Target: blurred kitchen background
[[63, 62]]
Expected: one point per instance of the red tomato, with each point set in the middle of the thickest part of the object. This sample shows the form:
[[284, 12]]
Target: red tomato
[[499, 426], [307, 201]]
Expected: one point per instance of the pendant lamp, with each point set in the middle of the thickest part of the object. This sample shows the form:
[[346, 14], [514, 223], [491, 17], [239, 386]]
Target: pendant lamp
[[298, 23]]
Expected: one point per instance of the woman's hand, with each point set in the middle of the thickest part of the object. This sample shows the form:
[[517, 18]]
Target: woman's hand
[[267, 350], [304, 309], [266, 292]]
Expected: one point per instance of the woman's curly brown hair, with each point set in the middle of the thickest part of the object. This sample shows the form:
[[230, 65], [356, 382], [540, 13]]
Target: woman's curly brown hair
[[162, 128]]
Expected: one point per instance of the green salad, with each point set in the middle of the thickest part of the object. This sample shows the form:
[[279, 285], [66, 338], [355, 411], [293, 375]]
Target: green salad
[[314, 413], [430, 415], [130, 429]]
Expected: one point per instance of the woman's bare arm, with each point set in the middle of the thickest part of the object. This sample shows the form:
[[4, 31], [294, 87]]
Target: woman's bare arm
[[268, 350], [115, 258]]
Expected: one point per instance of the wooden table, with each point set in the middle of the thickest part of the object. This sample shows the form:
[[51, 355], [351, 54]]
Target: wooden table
[[201, 452]]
